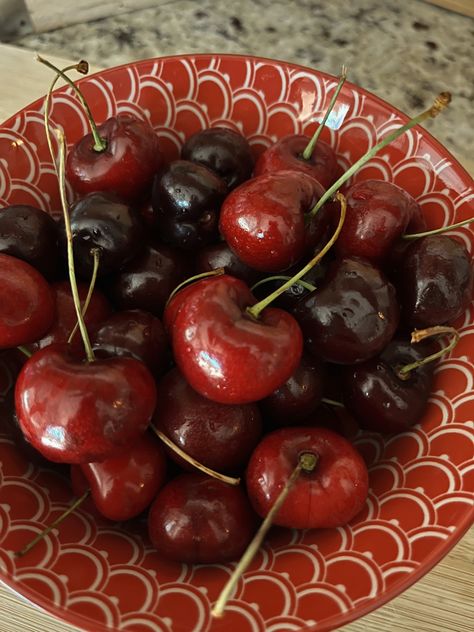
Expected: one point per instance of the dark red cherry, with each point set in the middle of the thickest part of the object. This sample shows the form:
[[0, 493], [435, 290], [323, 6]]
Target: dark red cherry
[[224, 151], [329, 496], [299, 396], [379, 397], [125, 168], [30, 234], [219, 436], [221, 256], [287, 153], [102, 222], [352, 316], [27, 308], [187, 198], [133, 333], [434, 281], [196, 519], [147, 282]]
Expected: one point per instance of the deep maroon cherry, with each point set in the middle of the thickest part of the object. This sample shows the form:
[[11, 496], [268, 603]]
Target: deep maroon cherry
[[147, 282], [221, 256], [133, 333], [27, 307], [219, 436], [187, 198], [125, 167], [30, 234], [198, 520], [224, 151], [352, 315], [379, 397], [434, 281]]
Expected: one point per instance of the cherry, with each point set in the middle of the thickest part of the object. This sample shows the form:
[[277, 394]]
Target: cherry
[[218, 436], [299, 396], [123, 486], [199, 520], [220, 347], [147, 282], [222, 150], [30, 234], [352, 316], [221, 256], [133, 333], [434, 281], [329, 496], [77, 412], [27, 307], [186, 199], [263, 220]]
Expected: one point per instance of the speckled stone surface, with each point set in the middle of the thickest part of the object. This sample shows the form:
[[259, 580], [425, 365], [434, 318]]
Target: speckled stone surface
[[406, 51]]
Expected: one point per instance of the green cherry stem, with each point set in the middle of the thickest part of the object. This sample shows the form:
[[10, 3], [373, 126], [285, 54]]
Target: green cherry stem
[[439, 231], [279, 277], [100, 144], [196, 277], [24, 351], [96, 254], [420, 334], [255, 310], [308, 152], [440, 103], [70, 252], [306, 463], [53, 525], [332, 402]]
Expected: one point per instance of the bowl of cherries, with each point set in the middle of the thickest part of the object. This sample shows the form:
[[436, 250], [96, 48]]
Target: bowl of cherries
[[236, 348]]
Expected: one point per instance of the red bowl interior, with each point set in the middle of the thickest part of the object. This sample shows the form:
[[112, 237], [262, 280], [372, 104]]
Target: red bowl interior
[[103, 576]]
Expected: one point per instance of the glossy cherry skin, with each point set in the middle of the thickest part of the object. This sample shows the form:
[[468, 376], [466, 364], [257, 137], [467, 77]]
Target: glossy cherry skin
[[218, 436], [379, 398], [287, 153], [27, 307], [30, 234], [66, 317], [77, 412], [263, 220], [352, 316], [101, 221], [378, 213], [299, 396], [147, 282], [196, 519], [221, 350], [434, 281], [136, 334], [221, 256], [329, 496], [187, 198], [224, 151], [123, 486], [127, 166]]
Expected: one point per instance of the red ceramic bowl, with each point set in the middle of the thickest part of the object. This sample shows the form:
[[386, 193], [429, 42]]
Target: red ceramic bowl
[[102, 576]]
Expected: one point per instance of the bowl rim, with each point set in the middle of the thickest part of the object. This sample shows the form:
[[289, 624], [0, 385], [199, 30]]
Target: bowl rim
[[371, 604]]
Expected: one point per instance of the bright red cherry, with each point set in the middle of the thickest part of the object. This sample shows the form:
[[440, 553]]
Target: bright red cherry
[[329, 496], [27, 308], [77, 412]]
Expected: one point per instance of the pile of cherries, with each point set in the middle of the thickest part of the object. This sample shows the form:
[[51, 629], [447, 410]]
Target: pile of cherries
[[168, 392]]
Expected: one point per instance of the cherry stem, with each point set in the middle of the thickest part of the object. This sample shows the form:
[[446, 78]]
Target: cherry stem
[[196, 277], [100, 144], [24, 351], [83, 68], [440, 103], [230, 480], [308, 152], [52, 526], [70, 252], [96, 254], [306, 463], [305, 284], [420, 334], [439, 231], [332, 402], [255, 310]]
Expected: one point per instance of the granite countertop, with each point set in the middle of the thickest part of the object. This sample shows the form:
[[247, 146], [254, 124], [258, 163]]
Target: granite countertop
[[404, 51]]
